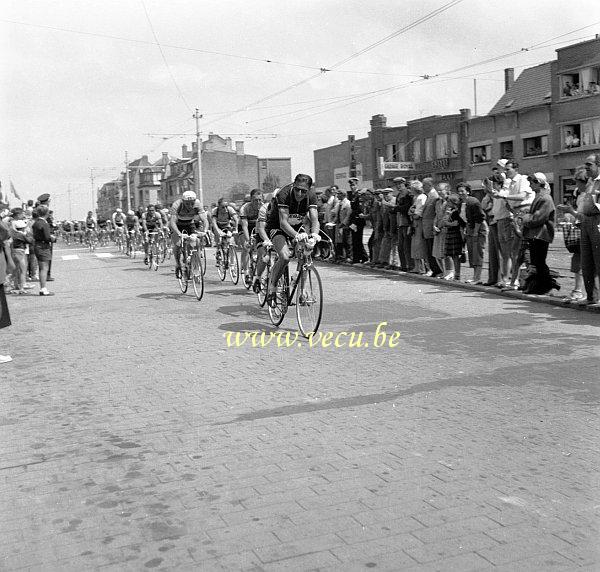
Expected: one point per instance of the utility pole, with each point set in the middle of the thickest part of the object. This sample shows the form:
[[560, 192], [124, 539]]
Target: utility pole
[[198, 176], [70, 209], [127, 182], [475, 96], [92, 179]]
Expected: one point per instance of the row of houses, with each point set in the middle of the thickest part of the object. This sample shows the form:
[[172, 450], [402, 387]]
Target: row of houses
[[548, 120], [227, 171]]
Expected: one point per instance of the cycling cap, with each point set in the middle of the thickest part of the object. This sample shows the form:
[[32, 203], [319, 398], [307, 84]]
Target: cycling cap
[[189, 196]]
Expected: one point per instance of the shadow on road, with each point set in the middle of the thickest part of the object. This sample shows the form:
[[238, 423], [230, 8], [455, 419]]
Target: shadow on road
[[168, 296], [238, 310], [252, 327]]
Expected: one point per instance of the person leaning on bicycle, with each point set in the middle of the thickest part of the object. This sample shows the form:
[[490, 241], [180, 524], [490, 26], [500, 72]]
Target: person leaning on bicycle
[[151, 222], [187, 215], [293, 205]]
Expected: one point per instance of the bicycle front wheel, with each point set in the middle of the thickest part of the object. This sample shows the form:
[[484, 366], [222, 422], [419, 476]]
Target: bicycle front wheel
[[234, 267], [278, 310], [197, 276], [202, 255], [309, 301], [154, 256], [221, 263], [264, 283]]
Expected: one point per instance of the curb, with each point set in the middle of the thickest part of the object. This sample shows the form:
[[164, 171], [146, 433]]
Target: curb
[[515, 294]]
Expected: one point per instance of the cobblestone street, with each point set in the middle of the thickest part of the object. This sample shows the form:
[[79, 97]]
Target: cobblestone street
[[133, 438]]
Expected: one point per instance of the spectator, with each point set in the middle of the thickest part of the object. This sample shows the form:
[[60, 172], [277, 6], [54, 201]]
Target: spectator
[[375, 216], [21, 238], [6, 267], [32, 264], [418, 246], [365, 197], [45, 200], [42, 247], [453, 223], [475, 231], [588, 212], [330, 203], [572, 220], [428, 218], [388, 216], [343, 232], [440, 232], [490, 205], [567, 89], [357, 223], [538, 229], [594, 88], [518, 196], [403, 204]]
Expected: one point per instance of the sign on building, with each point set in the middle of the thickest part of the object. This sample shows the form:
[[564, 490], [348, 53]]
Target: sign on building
[[385, 166]]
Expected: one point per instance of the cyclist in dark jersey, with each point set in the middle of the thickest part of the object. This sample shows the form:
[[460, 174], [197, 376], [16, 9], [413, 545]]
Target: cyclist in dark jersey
[[295, 205], [248, 217], [151, 222]]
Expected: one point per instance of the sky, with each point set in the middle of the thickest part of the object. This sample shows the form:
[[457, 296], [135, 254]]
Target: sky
[[86, 81]]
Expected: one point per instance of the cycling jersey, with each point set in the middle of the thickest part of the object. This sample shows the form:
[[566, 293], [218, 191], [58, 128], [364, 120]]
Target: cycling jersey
[[153, 221], [130, 221], [249, 211], [184, 211], [297, 210], [102, 223], [119, 219], [90, 223], [223, 216]]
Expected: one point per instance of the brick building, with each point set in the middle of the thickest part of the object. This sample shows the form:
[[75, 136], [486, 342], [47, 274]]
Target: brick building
[[336, 164], [575, 110]]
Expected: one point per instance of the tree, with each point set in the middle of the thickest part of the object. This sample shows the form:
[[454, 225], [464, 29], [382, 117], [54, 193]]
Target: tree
[[270, 182]]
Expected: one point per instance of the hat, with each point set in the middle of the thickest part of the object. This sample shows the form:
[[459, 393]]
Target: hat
[[502, 163], [303, 182], [378, 192], [387, 190], [540, 178], [43, 198], [353, 179], [20, 224], [399, 180]]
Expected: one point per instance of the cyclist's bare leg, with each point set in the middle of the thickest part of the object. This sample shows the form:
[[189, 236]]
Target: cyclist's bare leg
[[284, 254]]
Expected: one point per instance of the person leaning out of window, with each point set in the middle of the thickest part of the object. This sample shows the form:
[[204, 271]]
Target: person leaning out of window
[[538, 230], [43, 246]]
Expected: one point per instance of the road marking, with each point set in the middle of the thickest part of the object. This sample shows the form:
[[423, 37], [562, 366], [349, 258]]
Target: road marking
[[103, 254], [70, 257]]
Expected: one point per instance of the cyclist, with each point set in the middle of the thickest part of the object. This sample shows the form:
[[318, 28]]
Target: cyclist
[[294, 205], [118, 222], [151, 222], [262, 243], [224, 216], [248, 217], [132, 223], [90, 226], [187, 215], [102, 226]]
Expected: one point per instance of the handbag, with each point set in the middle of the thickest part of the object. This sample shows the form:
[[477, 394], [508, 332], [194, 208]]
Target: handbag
[[572, 236]]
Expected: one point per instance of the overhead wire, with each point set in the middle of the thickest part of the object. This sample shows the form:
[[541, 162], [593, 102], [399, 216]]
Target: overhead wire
[[182, 97]]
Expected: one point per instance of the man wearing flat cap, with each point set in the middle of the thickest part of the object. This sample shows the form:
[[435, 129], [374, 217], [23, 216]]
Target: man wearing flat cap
[[404, 201]]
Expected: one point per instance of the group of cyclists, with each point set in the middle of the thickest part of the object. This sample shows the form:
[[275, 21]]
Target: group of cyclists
[[290, 216]]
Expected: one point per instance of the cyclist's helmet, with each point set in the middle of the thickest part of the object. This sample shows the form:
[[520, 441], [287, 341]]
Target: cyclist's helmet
[[130, 213], [189, 196]]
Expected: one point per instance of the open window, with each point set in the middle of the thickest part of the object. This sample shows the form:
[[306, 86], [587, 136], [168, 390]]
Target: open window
[[481, 154], [507, 149], [534, 146]]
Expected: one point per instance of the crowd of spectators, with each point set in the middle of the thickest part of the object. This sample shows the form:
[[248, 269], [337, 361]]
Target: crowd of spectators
[[428, 228]]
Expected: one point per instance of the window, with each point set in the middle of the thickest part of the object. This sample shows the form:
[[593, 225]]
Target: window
[[506, 149], [585, 81], [584, 134], [428, 149], [533, 146], [391, 152], [401, 153], [417, 151], [481, 154], [441, 146], [454, 144]]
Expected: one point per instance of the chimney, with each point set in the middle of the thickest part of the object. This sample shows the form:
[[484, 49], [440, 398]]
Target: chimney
[[239, 147], [378, 121], [184, 151], [509, 78], [465, 114]]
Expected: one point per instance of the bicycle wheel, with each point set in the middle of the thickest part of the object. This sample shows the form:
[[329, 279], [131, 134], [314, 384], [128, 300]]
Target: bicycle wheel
[[264, 283], [155, 256], [249, 272], [202, 254], [234, 267], [277, 313], [309, 301], [182, 278], [197, 276], [221, 263]]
